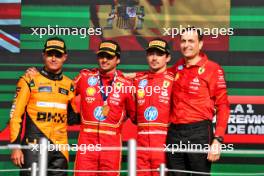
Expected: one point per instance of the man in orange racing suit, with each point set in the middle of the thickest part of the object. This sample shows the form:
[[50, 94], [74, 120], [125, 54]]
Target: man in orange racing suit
[[43, 101], [153, 91], [106, 99]]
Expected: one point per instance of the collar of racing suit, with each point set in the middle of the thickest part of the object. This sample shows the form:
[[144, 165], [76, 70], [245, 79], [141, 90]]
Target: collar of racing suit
[[203, 60], [200, 63], [107, 78], [155, 75], [50, 75]]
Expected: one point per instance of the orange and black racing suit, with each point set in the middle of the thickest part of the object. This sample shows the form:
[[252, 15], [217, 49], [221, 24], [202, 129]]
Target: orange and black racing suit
[[44, 102]]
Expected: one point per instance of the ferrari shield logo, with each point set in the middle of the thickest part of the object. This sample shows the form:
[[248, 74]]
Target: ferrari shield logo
[[201, 70]]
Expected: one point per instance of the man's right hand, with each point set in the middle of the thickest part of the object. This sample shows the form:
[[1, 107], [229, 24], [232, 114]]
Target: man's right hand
[[31, 72], [17, 157]]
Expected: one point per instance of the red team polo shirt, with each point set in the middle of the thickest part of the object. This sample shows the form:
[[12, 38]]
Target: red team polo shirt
[[199, 92]]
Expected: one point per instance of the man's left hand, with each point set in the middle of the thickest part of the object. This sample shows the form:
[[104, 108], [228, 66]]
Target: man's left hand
[[215, 151]]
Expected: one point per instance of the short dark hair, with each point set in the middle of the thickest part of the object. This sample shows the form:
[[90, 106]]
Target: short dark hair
[[192, 28]]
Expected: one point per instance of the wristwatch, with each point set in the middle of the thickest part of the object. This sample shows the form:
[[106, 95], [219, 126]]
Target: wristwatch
[[219, 139]]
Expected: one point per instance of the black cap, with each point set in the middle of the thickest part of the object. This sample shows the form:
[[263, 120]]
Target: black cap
[[159, 44], [109, 46], [55, 43]]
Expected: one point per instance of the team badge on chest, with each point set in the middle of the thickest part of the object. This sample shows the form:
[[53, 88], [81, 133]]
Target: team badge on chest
[[201, 70], [166, 84]]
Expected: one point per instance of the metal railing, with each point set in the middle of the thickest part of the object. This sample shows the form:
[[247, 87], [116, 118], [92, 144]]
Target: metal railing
[[41, 168]]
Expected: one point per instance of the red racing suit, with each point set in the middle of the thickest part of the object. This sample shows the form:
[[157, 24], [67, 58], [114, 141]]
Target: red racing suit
[[99, 130], [199, 93], [153, 93]]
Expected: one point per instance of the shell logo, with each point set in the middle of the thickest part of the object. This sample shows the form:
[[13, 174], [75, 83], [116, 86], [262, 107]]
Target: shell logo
[[141, 93], [90, 91]]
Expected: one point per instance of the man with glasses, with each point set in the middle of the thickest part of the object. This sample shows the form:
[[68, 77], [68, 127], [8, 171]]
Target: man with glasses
[[44, 102], [106, 100]]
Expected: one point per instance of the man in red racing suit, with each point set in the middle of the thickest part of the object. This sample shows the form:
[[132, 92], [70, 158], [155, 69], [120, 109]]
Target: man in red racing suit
[[153, 91], [104, 105]]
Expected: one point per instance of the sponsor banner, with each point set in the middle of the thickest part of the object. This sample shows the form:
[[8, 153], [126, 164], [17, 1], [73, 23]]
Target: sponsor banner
[[245, 124]]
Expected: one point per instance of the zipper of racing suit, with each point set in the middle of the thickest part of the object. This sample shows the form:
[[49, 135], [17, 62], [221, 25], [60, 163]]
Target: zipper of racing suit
[[104, 97], [98, 128], [54, 110], [150, 104], [55, 113], [98, 140], [53, 78]]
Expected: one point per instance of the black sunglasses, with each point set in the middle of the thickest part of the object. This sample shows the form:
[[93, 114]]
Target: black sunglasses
[[55, 53]]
